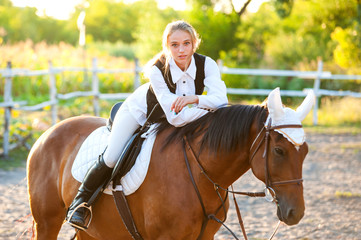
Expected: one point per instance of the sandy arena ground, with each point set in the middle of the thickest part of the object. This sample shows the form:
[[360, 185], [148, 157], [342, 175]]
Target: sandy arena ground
[[332, 189]]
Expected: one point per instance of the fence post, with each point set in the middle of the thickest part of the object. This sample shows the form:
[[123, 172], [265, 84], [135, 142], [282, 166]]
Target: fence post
[[7, 99], [316, 87], [95, 87], [220, 65], [53, 92], [137, 75]]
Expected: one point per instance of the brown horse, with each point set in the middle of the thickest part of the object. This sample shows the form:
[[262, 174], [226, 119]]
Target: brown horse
[[166, 205]]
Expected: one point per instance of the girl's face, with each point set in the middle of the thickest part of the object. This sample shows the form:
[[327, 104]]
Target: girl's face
[[180, 45]]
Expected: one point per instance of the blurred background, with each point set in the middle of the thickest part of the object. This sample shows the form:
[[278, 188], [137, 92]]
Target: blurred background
[[48, 73], [248, 34]]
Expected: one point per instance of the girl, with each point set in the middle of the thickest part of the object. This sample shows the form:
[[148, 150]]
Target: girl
[[177, 77]]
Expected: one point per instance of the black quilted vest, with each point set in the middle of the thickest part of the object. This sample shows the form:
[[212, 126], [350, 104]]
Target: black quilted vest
[[199, 86]]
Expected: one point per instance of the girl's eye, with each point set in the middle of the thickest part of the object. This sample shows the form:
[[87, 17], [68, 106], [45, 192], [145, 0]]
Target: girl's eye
[[174, 45], [187, 43]]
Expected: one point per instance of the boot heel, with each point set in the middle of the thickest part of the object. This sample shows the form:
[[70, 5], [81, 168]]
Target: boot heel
[[84, 226]]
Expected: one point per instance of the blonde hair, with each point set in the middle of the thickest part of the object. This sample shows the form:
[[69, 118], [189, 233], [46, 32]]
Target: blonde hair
[[164, 56], [180, 25]]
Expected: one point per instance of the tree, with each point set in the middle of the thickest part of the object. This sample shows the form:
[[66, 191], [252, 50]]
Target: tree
[[217, 29], [251, 38], [150, 29], [218, 5], [306, 34], [19, 24], [6, 9], [109, 20], [283, 7], [348, 50]]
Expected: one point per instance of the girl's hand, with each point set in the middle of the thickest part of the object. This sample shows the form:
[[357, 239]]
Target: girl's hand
[[183, 101]]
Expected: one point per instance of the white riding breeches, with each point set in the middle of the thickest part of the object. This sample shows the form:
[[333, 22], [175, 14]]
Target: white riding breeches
[[124, 126]]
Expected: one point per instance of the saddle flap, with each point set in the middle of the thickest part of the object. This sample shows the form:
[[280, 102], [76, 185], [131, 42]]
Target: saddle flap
[[128, 157], [95, 144]]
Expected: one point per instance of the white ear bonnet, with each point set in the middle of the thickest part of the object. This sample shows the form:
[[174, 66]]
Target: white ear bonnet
[[286, 116]]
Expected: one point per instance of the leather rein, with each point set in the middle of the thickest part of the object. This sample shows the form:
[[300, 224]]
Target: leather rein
[[269, 193]]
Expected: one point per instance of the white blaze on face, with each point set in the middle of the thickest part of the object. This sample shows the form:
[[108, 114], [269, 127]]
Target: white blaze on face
[[286, 116]]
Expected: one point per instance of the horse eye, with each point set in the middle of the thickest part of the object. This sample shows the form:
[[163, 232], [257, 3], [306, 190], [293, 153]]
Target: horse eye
[[279, 151]]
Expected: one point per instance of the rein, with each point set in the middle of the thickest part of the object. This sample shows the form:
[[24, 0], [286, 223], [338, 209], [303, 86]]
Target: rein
[[269, 193]]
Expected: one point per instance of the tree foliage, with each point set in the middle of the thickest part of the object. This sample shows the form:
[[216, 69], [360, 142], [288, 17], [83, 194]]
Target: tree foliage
[[217, 30], [112, 20], [283, 7], [19, 24], [347, 53], [289, 34], [150, 30]]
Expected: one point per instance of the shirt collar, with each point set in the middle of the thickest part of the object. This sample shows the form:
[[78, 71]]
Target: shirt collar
[[177, 73]]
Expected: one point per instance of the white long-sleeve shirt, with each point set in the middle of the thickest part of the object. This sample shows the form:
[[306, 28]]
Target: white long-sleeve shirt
[[216, 93]]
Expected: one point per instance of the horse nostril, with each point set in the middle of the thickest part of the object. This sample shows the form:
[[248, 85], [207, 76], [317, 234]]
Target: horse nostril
[[290, 213]]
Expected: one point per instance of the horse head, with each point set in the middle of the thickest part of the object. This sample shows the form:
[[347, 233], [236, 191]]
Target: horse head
[[278, 154]]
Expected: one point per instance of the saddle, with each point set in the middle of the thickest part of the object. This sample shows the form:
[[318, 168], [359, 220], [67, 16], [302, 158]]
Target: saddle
[[131, 150], [112, 114], [125, 162], [127, 158]]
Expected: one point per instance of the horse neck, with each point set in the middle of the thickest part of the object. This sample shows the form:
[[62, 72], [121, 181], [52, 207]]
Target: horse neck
[[225, 168]]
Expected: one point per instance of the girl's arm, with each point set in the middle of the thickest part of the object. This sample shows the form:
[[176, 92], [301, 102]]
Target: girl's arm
[[166, 98], [216, 89]]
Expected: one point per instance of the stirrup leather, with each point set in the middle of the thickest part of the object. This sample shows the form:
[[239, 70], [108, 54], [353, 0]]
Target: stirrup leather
[[82, 205]]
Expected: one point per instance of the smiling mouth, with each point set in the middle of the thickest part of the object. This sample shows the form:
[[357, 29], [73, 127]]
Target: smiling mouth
[[182, 56]]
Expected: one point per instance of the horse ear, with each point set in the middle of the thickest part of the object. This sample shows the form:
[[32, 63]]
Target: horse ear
[[274, 105], [306, 105]]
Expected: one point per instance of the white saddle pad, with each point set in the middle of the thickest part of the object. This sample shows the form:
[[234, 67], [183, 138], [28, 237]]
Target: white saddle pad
[[95, 144]]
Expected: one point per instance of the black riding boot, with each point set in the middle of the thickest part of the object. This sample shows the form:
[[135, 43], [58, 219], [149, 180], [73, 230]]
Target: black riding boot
[[94, 178]]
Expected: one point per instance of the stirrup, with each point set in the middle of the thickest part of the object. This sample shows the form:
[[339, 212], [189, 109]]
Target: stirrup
[[85, 227]]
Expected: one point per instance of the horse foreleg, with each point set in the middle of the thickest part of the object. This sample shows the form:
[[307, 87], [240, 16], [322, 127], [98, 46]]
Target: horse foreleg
[[47, 228]]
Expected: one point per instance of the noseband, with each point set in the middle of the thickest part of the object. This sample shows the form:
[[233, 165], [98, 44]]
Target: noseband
[[269, 192]]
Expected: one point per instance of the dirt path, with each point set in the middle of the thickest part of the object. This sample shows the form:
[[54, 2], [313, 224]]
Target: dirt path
[[332, 188]]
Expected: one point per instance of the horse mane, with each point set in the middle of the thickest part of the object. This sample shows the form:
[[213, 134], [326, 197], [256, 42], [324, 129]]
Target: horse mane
[[223, 130]]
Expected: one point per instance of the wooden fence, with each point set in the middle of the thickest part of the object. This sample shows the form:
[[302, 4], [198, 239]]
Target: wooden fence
[[9, 73]]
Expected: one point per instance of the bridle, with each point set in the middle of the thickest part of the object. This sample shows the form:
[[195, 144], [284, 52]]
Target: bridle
[[269, 193], [269, 184]]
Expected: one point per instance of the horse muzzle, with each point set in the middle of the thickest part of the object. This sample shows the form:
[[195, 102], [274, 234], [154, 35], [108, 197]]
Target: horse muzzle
[[289, 214]]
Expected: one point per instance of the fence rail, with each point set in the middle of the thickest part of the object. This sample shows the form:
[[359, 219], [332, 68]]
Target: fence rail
[[9, 73]]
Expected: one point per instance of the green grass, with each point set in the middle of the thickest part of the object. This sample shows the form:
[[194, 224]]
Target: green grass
[[16, 159]]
